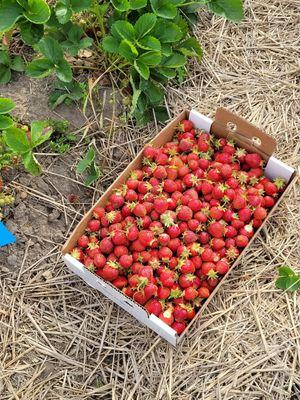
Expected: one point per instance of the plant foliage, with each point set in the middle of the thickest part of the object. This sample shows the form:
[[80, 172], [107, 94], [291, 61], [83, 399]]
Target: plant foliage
[[150, 41]]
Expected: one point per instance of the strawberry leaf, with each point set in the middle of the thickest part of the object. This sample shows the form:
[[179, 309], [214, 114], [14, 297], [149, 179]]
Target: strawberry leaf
[[288, 280]]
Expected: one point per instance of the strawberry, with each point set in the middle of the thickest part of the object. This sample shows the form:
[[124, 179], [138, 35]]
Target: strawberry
[[93, 225], [150, 152], [260, 213], [161, 205], [140, 297], [184, 213], [126, 261], [187, 280], [117, 200], [190, 293], [139, 210], [186, 267], [179, 327], [185, 125], [216, 229], [98, 212], [83, 241], [180, 313], [153, 306], [110, 271], [163, 292], [146, 237], [120, 282], [203, 292], [165, 253], [222, 267], [254, 160], [99, 260], [167, 316], [242, 240], [106, 246], [168, 278], [244, 214], [77, 253], [169, 186]]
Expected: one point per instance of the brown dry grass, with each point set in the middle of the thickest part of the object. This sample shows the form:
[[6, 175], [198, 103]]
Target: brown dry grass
[[60, 339]]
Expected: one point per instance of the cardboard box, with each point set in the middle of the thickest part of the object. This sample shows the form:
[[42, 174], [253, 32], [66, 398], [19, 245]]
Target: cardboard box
[[225, 124]]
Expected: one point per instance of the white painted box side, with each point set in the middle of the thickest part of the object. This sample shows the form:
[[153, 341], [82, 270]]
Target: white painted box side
[[277, 169], [200, 121], [127, 304]]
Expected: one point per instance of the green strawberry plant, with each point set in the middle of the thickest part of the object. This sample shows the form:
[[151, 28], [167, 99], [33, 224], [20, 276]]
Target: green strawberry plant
[[150, 41], [8, 64], [17, 142], [67, 92], [23, 143], [6, 106], [6, 121], [52, 61], [88, 166], [153, 40], [288, 280]]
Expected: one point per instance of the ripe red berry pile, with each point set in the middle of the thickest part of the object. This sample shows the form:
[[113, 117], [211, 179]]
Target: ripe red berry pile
[[172, 231]]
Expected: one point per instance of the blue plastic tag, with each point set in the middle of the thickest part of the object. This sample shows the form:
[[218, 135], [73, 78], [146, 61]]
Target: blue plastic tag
[[5, 236]]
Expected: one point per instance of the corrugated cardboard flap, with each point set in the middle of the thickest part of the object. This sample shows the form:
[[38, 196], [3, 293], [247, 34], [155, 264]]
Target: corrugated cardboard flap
[[227, 124]]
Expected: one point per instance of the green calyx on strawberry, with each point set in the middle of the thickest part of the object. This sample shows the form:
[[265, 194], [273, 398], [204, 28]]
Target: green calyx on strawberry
[[175, 293], [167, 218], [279, 183], [212, 274]]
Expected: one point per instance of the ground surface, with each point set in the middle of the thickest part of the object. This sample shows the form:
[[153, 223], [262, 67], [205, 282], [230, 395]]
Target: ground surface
[[60, 339]]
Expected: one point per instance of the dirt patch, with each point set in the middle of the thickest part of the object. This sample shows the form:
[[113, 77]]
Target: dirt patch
[[31, 97]]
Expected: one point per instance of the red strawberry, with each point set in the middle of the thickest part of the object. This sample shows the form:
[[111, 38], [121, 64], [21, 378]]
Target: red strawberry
[[126, 261], [117, 200], [168, 278], [180, 313], [146, 237], [222, 267], [167, 316], [83, 241], [187, 280], [179, 327], [190, 293], [93, 225], [139, 297], [241, 241], [253, 160], [139, 210], [165, 253], [150, 152], [98, 212], [120, 282], [110, 271], [99, 260], [106, 246], [216, 229], [163, 292], [77, 253], [203, 292], [260, 213], [153, 306], [184, 213], [185, 125], [245, 214]]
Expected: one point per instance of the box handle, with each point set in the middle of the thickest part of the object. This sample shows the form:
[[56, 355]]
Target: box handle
[[229, 125]]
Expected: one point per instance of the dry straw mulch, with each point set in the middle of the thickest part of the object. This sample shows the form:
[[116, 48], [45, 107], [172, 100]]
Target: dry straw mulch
[[60, 339]]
